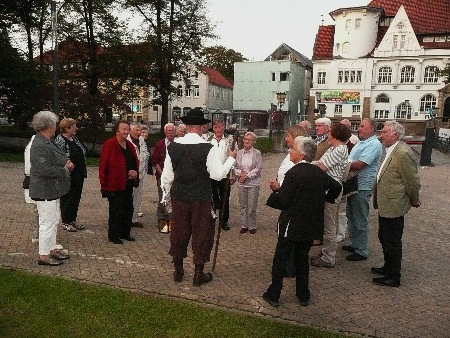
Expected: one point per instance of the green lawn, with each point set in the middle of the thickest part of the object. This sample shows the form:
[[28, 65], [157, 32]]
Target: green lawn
[[41, 306], [14, 156]]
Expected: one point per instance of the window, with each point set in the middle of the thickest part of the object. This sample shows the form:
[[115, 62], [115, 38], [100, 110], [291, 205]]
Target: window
[[284, 76], [385, 75], [349, 76], [338, 48], [382, 98], [348, 24], [188, 91], [357, 23], [138, 118], [155, 108], [273, 76], [356, 109], [395, 42], [431, 74], [338, 109], [346, 47], [427, 102], [407, 74], [321, 77], [196, 75], [188, 73], [180, 91], [402, 41], [196, 91], [213, 91], [381, 114], [403, 111], [136, 106]]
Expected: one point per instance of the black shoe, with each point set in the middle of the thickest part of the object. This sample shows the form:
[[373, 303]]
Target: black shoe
[[49, 261], [304, 302], [116, 241], [348, 248], [378, 271], [387, 281], [354, 257], [269, 300], [177, 277], [202, 278], [129, 238], [225, 227]]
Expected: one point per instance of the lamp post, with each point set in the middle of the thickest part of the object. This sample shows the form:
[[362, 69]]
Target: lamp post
[[305, 108], [430, 135], [320, 108], [281, 98]]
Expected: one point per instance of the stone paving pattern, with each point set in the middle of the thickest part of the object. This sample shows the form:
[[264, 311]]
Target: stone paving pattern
[[343, 299]]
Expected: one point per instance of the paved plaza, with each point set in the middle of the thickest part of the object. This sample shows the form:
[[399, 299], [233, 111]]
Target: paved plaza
[[343, 298]]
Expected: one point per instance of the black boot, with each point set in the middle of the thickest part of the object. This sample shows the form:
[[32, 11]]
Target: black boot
[[179, 271], [200, 277]]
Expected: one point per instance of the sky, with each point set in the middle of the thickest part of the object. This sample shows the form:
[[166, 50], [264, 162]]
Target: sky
[[256, 28]]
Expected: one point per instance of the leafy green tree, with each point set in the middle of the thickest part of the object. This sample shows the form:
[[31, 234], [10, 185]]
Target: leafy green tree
[[221, 59], [446, 73], [175, 30]]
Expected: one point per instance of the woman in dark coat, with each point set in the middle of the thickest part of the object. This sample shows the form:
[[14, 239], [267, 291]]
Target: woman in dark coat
[[301, 199]]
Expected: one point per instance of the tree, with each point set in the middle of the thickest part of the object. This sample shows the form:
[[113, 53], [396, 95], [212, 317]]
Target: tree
[[221, 59], [175, 31], [446, 73]]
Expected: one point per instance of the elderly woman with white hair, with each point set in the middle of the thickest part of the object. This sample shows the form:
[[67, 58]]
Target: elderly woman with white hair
[[49, 180], [248, 175], [301, 199]]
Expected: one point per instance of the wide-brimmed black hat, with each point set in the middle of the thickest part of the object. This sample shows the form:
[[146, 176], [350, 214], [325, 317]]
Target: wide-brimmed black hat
[[195, 117]]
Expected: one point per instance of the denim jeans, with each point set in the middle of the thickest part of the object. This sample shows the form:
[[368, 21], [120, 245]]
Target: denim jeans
[[358, 221]]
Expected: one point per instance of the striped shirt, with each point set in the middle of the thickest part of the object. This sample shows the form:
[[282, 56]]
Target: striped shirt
[[335, 159]]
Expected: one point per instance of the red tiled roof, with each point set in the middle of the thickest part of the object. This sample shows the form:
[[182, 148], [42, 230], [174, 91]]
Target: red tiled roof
[[426, 16], [216, 78], [323, 46]]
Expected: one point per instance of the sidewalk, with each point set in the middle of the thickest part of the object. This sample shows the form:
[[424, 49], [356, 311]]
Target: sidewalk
[[343, 299]]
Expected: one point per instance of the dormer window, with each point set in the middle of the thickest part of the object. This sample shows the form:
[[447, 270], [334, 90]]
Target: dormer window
[[346, 47], [400, 25], [348, 24], [357, 23]]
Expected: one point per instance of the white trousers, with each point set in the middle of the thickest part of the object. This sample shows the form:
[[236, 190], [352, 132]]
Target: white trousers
[[137, 199], [329, 232], [49, 215], [248, 201]]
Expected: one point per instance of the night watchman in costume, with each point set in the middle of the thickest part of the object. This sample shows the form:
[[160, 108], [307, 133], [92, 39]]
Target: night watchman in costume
[[190, 163]]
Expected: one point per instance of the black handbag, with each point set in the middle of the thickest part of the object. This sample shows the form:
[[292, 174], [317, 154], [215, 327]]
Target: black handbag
[[26, 182]]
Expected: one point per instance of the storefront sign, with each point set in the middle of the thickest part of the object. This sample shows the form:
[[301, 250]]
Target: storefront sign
[[341, 97]]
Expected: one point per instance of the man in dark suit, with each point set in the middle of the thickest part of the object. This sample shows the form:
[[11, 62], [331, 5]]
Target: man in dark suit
[[396, 191], [301, 198]]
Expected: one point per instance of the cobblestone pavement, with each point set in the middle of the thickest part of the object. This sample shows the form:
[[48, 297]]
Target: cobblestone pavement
[[343, 299]]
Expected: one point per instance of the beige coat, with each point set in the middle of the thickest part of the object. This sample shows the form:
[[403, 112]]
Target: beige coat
[[398, 186]]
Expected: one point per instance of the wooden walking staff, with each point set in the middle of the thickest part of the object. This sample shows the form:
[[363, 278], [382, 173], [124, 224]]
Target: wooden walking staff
[[224, 204]]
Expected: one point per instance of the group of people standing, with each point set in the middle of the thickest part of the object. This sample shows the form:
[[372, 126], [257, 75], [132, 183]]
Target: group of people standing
[[194, 171], [55, 170], [309, 200]]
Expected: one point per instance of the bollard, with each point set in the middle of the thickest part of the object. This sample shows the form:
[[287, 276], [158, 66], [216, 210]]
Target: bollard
[[427, 147]]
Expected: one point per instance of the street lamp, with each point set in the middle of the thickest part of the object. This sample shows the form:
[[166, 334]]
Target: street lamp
[[318, 99], [320, 110], [305, 107], [281, 98], [54, 16]]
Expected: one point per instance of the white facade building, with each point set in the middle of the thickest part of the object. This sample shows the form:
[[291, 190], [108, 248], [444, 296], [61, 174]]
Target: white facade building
[[379, 63]]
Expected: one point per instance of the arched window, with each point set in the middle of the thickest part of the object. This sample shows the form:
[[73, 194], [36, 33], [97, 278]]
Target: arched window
[[407, 74], [431, 74], [180, 91], [426, 102], [346, 47], [403, 111], [385, 75], [382, 98]]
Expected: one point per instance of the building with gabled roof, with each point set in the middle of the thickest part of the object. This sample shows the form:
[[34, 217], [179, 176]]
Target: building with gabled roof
[[383, 61], [273, 91]]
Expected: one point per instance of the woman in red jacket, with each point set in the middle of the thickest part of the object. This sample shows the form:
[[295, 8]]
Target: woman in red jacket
[[118, 173]]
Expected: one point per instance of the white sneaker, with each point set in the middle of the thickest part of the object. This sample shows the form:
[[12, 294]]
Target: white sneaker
[[58, 247], [140, 214], [213, 214], [69, 227]]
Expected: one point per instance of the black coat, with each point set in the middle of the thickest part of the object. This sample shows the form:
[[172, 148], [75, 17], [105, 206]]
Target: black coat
[[302, 198]]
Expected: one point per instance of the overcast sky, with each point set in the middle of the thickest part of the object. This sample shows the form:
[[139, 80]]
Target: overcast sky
[[256, 28]]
